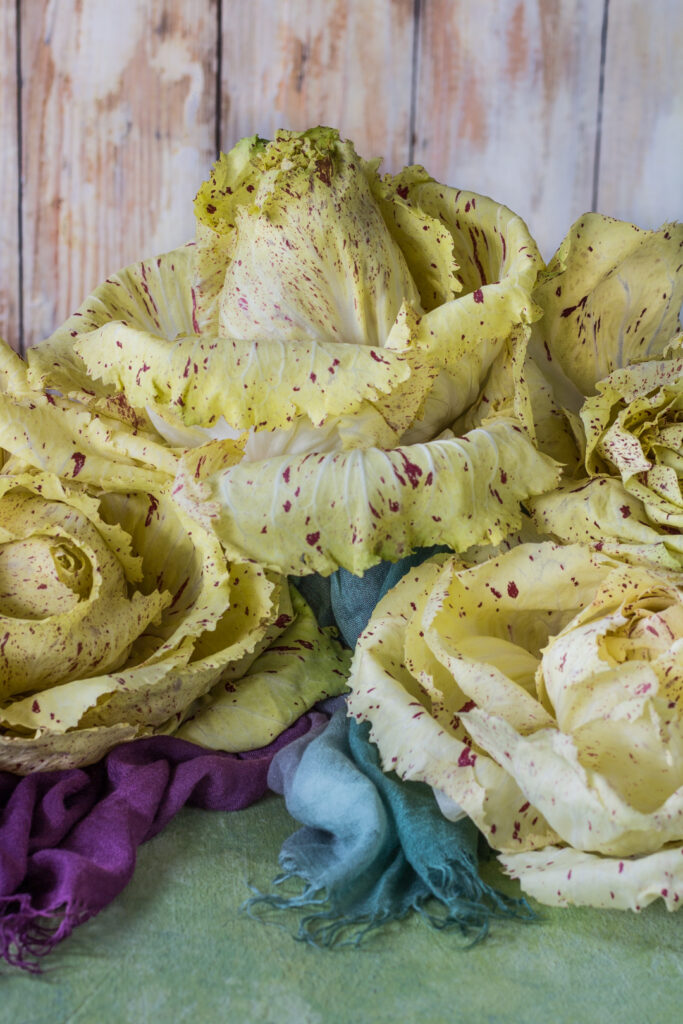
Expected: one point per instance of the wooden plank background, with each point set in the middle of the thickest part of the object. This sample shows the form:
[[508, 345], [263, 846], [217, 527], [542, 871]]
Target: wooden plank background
[[112, 113]]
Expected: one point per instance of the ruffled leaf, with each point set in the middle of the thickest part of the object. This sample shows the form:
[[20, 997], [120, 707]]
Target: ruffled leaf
[[317, 512]]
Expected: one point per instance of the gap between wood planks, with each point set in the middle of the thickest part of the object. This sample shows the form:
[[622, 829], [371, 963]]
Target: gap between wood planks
[[20, 186], [601, 98]]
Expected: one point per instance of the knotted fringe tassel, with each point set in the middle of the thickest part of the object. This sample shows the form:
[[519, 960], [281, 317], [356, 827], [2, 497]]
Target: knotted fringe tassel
[[332, 926], [27, 934]]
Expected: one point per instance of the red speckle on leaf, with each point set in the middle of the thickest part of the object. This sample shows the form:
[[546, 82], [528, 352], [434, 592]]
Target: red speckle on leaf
[[478, 295], [512, 589], [179, 592], [287, 506], [153, 506], [412, 470], [466, 759], [313, 538], [35, 707], [78, 459], [625, 511]]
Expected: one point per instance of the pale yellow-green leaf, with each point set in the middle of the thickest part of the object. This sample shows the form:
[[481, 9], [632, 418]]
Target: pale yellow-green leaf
[[154, 295], [612, 295], [304, 665], [317, 512], [563, 877], [265, 384], [294, 230], [602, 513]]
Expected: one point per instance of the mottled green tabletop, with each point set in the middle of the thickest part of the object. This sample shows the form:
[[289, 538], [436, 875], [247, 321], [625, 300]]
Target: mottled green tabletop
[[174, 947]]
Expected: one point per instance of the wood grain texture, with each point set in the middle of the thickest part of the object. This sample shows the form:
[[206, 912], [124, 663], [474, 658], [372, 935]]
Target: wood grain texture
[[118, 109], [9, 180], [296, 64], [506, 105], [641, 146]]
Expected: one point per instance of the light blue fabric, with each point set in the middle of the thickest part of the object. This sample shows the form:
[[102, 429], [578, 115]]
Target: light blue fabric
[[372, 847]]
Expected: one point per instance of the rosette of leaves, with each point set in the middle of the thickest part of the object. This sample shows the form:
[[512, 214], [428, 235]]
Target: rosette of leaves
[[631, 502], [540, 693], [312, 351], [117, 611]]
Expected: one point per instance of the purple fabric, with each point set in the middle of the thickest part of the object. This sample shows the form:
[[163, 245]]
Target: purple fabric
[[68, 839]]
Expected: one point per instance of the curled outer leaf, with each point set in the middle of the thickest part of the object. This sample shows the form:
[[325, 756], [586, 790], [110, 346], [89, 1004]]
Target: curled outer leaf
[[611, 296], [263, 384], [562, 877], [304, 665], [487, 296], [154, 295], [600, 512], [317, 512]]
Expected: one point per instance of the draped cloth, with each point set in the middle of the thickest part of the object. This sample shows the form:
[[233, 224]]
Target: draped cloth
[[372, 846], [68, 839]]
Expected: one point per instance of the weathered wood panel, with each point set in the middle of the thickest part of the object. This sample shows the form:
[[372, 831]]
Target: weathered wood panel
[[9, 179], [118, 109], [641, 146], [506, 104], [345, 63]]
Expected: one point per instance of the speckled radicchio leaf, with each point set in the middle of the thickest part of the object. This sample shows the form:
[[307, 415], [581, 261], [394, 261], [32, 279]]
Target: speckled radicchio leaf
[[317, 512], [611, 295]]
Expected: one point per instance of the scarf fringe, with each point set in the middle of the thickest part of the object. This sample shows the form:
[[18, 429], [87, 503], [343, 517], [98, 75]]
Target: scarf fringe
[[27, 934], [467, 903]]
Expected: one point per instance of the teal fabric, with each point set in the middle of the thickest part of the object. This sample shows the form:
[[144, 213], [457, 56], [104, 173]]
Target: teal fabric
[[347, 601], [373, 847]]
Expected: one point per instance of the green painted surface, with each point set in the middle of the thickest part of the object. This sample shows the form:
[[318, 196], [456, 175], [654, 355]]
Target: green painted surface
[[175, 948]]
